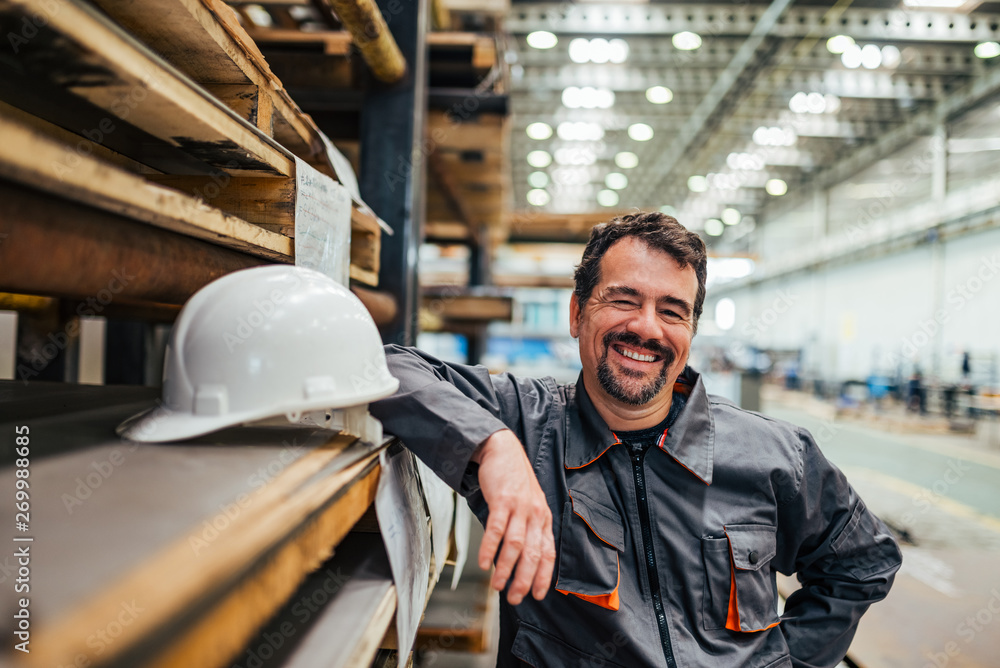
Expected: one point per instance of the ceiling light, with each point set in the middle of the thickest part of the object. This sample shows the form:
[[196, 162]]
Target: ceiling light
[[776, 187], [832, 103], [725, 313], [799, 103], [538, 179], [815, 103], [600, 50], [538, 197], [668, 210], [851, 58], [697, 184], [938, 4], [659, 95], [539, 159], [686, 41], [571, 97], [579, 50], [774, 136], [575, 156], [640, 132], [539, 131], [891, 57], [616, 181], [731, 216], [580, 131], [871, 57], [987, 50], [604, 98], [714, 227], [745, 161], [626, 160], [542, 39], [838, 44], [618, 50], [607, 198]]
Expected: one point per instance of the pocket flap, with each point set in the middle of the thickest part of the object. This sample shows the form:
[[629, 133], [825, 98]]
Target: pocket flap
[[753, 545], [604, 522]]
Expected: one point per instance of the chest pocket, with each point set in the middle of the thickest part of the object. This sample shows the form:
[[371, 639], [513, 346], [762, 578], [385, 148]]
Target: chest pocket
[[590, 542], [739, 586]]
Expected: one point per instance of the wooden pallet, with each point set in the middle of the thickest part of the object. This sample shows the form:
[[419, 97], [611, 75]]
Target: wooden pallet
[[203, 116]]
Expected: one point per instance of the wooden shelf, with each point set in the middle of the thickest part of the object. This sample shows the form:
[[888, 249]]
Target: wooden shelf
[[194, 545]]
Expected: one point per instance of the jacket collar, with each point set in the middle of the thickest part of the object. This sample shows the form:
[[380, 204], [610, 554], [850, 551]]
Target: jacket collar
[[690, 441]]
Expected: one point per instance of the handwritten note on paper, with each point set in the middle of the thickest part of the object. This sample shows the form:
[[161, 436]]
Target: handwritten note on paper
[[322, 223], [403, 524], [441, 504]]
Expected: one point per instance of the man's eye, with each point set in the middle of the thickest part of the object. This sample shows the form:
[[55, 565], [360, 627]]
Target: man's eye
[[623, 302]]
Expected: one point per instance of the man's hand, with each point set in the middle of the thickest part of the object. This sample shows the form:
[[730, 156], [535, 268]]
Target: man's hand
[[519, 515]]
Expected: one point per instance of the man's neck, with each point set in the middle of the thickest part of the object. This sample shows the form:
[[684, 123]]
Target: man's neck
[[620, 416]]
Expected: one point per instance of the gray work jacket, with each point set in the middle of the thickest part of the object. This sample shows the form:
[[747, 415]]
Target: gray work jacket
[[666, 558]]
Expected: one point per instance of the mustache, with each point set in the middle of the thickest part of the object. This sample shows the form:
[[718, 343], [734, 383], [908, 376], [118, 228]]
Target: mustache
[[632, 339]]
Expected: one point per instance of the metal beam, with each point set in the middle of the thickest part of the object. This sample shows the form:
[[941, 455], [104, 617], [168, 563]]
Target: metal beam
[[894, 25]]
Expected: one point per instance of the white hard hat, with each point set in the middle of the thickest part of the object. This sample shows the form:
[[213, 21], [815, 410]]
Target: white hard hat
[[263, 342]]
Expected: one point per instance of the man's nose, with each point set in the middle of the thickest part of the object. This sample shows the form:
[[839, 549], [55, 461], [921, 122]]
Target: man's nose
[[645, 323]]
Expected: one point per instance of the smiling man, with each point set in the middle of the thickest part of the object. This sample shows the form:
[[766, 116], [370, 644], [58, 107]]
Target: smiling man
[[646, 518]]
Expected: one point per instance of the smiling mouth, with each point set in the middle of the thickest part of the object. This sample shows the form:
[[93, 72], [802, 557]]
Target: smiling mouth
[[636, 356]]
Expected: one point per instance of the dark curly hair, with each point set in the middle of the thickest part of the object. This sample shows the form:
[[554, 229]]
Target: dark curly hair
[[659, 231]]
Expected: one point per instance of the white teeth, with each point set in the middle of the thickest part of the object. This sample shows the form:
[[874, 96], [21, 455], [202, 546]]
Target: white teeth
[[637, 356]]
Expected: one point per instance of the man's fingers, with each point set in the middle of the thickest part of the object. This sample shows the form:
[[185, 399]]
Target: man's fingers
[[527, 565], [513, 545], [547, 563], [496, 525]]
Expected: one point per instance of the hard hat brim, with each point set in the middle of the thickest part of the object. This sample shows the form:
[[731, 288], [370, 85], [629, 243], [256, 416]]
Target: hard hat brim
[[162, 424]]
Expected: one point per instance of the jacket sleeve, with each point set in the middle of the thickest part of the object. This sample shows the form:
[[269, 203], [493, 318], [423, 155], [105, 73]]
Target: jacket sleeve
[[443, 411], [844, 556]]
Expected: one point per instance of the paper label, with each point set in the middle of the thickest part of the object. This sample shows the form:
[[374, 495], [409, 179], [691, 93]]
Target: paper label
[[441, 504], [322, 223]]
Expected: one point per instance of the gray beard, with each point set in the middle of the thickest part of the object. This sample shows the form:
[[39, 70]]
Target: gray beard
[[615, 388]]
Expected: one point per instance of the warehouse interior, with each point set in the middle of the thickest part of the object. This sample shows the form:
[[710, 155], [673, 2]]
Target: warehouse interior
[[446, 161]]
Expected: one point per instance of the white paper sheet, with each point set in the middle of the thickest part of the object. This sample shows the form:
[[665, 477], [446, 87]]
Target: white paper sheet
[[322, 223], [441, 504], [345, 174], [402, 521], [463, 520]]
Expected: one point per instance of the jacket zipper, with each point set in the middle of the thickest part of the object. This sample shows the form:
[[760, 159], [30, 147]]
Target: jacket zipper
[[647, 543]]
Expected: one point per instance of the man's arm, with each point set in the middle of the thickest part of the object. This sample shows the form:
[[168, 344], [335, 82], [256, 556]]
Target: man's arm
[[844, 556], [455, 418]]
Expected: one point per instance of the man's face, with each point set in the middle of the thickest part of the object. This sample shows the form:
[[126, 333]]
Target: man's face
[[635, 330]]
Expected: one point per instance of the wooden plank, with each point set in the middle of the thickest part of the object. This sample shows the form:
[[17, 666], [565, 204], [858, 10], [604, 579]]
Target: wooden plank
[[100, 63], [269, 202], [200, 584], [204, 40], [248, 102], [460, 620], [469, 307], [30, 158]]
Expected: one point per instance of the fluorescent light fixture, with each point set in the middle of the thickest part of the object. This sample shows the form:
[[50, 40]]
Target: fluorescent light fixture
[[686, 40], [542, 39], [871, 57], [538, 197], [618, 51], [839, 43], [697, 184], [714, 227], [575, 156], [851, 57], [600, 51], [776, 187], [640, 132], [891, 56], [935, 4], [731, 216], [986, 50], [580, 131], [616, 181], [725, 313], [539, 131], [659, 95], [626, 159], [538, 179], [607, 198], [539, 159], [579, 50]]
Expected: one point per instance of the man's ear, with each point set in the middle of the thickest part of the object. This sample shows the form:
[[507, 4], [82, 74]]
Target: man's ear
[[574, 317]]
